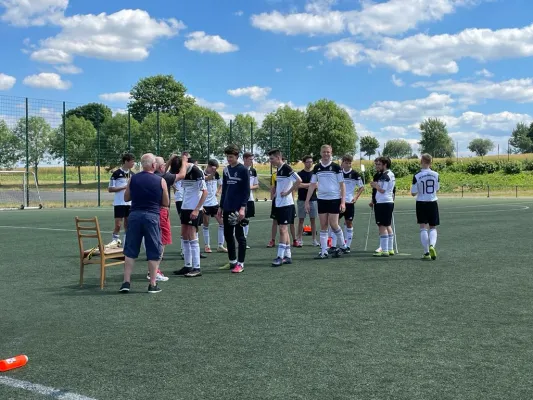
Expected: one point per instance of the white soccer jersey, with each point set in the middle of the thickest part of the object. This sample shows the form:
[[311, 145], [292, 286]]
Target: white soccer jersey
[[353, 181], [285, 178], [387, 182], [426, 185], [212, 188], [193, 185], [120, 179], [178, 196], [254, 180], [328, 177]]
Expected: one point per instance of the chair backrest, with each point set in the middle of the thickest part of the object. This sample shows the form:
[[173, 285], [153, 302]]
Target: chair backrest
[[92, 227]]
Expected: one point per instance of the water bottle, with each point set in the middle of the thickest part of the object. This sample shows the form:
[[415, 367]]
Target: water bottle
[[12, 363]]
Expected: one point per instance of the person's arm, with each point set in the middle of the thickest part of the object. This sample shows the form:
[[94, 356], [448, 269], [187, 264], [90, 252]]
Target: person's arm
[[224, 188], [304, 185], [295, 184], [343, 195], [414, 187], [245, 190], [360, 190], [114, 189], [312, 187], [200, 204], [183, 170], [172, 158], [219, 187], [127, 193], [165, 201]]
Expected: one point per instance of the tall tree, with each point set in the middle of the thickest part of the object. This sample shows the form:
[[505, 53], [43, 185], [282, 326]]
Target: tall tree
[[520, 139], [481, 146], [10, 146], [170, 138], [80, 143], [39, 134], [397, 148], [369, 145], [327, 123], [95, 112], [159, 92], [435, 139], [241, 131], [114, 140]]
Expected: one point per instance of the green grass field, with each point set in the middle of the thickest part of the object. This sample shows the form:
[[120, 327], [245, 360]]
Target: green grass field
[[357, 327]]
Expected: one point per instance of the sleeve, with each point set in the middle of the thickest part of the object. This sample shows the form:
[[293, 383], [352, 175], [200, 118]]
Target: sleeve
[[245, 182], [224, 186], [437, 184], [340, 177], [414, 187], [292, 175], [256, 178], [112, 180], [314, 177]]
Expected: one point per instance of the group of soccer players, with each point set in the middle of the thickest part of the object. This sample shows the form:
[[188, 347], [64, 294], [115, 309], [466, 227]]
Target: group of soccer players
[[326, 190]]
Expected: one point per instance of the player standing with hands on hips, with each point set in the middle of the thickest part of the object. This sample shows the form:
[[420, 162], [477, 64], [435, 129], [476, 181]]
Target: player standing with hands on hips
[[425, 188], [384, 206]]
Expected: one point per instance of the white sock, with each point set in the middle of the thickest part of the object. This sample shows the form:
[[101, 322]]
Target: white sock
[[116, 236], [246, 229], [288, 252], [124, 240], [220, 235], [349, 237], [187, 255], [384, 241], [206, 235], [281, 250], [424, 239], [182, 245], [391, 241], [339, 238], [324, 242], [432, 237], [195, 252], [144, 245]]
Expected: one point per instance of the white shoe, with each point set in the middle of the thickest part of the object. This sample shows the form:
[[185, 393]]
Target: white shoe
[[316, 244], [114, 244], [378, 250], [159, 278]]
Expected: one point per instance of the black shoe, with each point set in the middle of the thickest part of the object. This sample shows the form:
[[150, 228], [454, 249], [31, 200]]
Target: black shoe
[[338, 252], [153, 289], [183, 271], [125, 288], [182, 256], [346, 250], [322, 256], [203, 255], [332, 250], [194, 273]]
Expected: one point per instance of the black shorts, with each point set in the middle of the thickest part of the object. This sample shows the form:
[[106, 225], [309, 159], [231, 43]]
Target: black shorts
[[186, 218], [273, 209], [329, 206], [178, 206], [427, 212], [122, 211], [349, 214], [211, 211], [250, 209], [383, 213], [285, 215]]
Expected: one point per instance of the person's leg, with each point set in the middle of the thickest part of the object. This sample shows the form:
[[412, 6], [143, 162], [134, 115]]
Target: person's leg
[[391, 239], [154, 248], [187, 255], [195, 251], [221, 248], [300, 229], [205, 231], [116, 229], [349, 232], [424, 239], [125, 230], [241, 240], [323, 233], [274, 231], [229, 235], [313, 230], [284, 241], [384, 239], [337, 231], [131, 251]]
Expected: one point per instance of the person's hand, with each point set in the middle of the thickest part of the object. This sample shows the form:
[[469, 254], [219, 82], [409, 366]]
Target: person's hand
[[307, 207], [194, 213], [371, 205], [374, 185], [241, 214], [354, 200], [284, 194], [343, 207]]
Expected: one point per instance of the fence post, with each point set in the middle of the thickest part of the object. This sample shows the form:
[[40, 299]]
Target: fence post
[[129, 132], [158, 133], [462, 190], [289, 134], [488, 190], [516, 191], [271, 144], [27, 155], [208, 139], [252, 137], [230, 131], [98, 156], [64, 158], [183, 134]]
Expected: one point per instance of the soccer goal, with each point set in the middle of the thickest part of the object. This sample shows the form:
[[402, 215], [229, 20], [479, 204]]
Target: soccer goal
[[19, 191]]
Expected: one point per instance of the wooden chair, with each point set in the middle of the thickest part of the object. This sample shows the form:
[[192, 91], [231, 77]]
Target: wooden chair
[[96, 255]]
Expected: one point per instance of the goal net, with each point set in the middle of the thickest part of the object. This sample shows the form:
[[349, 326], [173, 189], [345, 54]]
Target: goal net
[[19, 191]]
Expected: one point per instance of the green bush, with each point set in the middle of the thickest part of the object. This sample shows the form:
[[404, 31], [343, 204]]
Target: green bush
[[528, 165], [512, 167], [458, 167], [481, 167], [400, 169], [413, 166]]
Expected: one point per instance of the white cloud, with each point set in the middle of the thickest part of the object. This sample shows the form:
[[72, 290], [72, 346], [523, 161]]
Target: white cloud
[[397, 81], [309, 67], [319, 6], [278, 70], [503, 121], [227, 116], [239, 13], [300, 23], [350, 52], [517, 90], [117, 97], [395, 130], [217, 105], [119, 111], [484, 72], [126, 35], [46, 80], [199, 41], [68, 69], [255, 93], [32, 12], [7, 81]]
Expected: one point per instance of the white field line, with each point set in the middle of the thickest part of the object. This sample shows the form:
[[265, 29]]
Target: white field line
[[40, 389]]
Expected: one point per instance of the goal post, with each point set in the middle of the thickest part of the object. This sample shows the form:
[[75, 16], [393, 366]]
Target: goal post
[[19, 191]]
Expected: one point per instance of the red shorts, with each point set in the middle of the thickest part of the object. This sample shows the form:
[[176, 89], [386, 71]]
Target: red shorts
[[164, 222]]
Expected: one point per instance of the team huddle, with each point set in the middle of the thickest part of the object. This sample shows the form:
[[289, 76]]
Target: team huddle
[[326, 190]]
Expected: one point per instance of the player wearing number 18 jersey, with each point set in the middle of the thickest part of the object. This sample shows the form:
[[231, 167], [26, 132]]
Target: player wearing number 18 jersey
[[425, 188]]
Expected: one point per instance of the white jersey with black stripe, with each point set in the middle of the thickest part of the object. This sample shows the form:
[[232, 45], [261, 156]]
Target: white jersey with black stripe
[[328, 177], [353, 181], [285, 178], [193, 185], [426, 185], [212, 189]]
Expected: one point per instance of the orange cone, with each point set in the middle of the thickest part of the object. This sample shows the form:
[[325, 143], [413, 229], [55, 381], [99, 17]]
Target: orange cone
[[12, 363], [330, 242]]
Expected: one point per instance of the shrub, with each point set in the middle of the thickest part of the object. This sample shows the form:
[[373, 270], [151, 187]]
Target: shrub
[[481, 167], [512, 167], [458, 167], [413, 166], [528, 165], [400, 170]]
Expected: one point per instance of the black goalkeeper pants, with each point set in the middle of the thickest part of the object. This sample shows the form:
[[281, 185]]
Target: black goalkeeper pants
[[230, 233]]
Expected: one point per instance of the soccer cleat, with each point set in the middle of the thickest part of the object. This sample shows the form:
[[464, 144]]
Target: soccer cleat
[[194, 273], [391, 252], [207, 249], [237, 269], [183, 271], [277, 262], [315, 243], [153, 289], [248, 247], [346, 250], [271, 244], [203, 255], [287, 260], [114, 244], [159, 278], [378, 250], [222, 249], [432, 253], [337, 253], [332, 250], [322, 256], [298, 243], [125, 288], [227, 266], [382, 254], [426, 257], [295, 243]]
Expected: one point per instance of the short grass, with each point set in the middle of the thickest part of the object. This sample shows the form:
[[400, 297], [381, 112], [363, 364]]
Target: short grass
[[354, 328]]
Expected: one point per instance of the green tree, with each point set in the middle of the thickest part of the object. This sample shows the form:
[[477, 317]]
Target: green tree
[[10, 146], [39, 134], [397, 148], [435, 139], [241, 131], [327, 123], [114, 140], [159, 92], [369, 145], [170, 139], [95, 112], [520, 139], [80, 142], [481, 146]]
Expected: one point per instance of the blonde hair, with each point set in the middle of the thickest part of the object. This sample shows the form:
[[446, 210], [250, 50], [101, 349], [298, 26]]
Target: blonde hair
[[326, 146], [426, 159]]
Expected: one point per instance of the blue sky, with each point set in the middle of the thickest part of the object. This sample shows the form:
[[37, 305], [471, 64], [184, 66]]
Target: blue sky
[[390, 64]]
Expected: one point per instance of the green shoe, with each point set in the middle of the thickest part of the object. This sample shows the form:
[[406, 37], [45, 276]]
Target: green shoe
[[377, 254], [426, 257], [385, 254], [226, 267], [391, 252], [432, 252]]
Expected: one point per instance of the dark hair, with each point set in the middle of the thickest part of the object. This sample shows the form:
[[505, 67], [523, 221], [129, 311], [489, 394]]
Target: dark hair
[[385, 160], [274, 152], [232, 150], [127, 157], [247, 155], [213, 163], [305, 158], [347, 158]]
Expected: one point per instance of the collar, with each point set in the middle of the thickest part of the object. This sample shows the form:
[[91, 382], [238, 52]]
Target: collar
[[347, 172], [326, 165]]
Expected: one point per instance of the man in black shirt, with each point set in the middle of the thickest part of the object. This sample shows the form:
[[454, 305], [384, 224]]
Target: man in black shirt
[[305, 175]]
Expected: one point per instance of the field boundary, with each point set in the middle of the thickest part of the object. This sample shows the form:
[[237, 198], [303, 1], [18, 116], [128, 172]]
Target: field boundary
[[41, 389]]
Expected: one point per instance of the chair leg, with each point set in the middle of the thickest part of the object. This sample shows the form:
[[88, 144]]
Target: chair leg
[[102, 272], [81, 273]]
